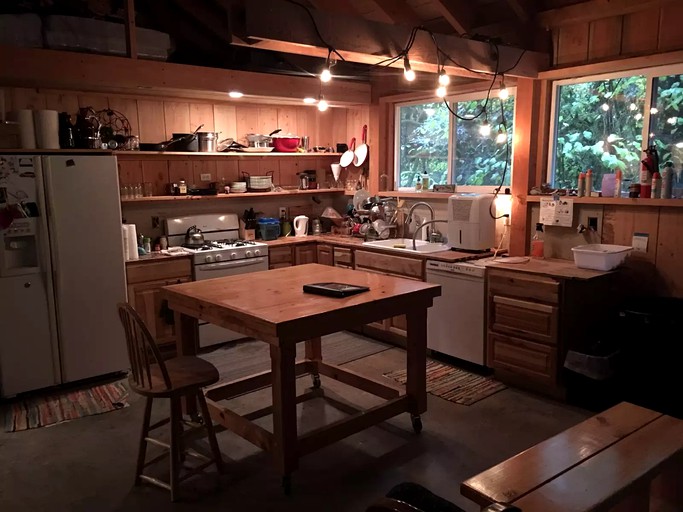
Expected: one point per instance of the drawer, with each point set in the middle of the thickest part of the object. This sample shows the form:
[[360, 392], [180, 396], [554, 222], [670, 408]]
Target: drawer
[[390, 264], [525, 359], [279, 255], [529, 320], [145, 271], [524, 286], [343, 257]]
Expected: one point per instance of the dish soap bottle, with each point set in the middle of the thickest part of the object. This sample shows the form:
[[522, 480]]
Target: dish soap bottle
[[425, 182], [537, 246]]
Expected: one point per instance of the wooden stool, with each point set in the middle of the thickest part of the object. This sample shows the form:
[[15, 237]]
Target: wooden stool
[[175, 378]]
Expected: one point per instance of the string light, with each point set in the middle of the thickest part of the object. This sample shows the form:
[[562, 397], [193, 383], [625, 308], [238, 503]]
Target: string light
[[485, 128], [322, 104], [408, 73], [501, 138], [503, 92], [326, 75], [444, 79], [441, 91], [309, 101]]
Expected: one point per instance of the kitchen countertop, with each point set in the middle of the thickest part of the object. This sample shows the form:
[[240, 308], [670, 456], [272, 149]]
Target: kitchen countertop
[[565, 269], [157, 256]]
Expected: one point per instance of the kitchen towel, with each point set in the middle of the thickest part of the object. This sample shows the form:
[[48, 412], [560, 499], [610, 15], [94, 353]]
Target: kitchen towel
[[27, 134], [47, 128], [130, 241]]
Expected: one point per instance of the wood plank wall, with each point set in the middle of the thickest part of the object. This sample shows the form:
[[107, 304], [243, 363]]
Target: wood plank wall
[[651, 30], [156, 118]]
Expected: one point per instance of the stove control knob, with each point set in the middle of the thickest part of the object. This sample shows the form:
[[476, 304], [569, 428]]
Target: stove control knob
[[208, 259], [249, 254], [219, 257], [257, 252], [233, 255]]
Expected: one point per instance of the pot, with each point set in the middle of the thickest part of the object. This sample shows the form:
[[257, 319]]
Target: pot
[[207, 141], [257, 140], [194, 239], [183, 142], [286, 143]]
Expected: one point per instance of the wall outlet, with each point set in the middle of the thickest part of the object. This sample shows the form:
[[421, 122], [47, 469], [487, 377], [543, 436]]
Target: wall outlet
[[283, 212], [205, 176]]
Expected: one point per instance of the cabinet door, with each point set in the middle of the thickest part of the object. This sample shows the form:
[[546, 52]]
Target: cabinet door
[[279, 257], [325, 256], [531, 361], [529, 320], [343, 257], [148, 302], [390, 264], [305, 253]]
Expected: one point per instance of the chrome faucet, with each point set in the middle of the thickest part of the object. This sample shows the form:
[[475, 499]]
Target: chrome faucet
[[409, 218], [425, 223]]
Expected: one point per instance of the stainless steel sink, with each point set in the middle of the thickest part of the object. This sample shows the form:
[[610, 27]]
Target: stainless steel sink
[[406, 245]]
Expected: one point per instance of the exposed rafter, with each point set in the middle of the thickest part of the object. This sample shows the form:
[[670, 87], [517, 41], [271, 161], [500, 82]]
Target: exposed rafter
[[523, 9], [595, 9], [458, 13], [398, 12], [335, 6]]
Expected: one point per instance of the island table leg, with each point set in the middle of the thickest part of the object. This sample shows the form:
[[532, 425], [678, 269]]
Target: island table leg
[[314, 352], [416, 363], [187, 343], [283, 359]]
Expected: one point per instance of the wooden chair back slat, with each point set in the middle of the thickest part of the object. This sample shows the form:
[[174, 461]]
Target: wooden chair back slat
[[142, 350]]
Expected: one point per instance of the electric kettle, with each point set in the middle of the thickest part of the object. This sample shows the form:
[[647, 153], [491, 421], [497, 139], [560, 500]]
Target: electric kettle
[[301, 225]]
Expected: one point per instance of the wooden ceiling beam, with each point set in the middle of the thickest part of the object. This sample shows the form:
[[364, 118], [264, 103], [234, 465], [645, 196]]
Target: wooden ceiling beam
[[458, 13], [398, 12], [336, 6], [523, 9], [593, 10], [369, 42]]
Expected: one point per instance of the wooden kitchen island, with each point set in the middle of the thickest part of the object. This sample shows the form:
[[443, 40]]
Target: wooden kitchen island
[[272, 307]]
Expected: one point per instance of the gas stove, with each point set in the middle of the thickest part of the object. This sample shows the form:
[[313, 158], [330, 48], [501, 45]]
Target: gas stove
[[214, 251]]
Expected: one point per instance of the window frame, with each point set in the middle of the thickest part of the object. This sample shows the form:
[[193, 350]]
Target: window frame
[[650, 74], [455, 98]]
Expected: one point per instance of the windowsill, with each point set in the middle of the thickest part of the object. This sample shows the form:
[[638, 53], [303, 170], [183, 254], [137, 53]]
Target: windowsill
[[414, 194], [624, 201]]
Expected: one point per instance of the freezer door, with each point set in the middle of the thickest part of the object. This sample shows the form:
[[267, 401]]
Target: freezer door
[[84, 218], [26, 356]]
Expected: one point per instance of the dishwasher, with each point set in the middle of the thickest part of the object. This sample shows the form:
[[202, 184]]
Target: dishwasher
[[456, 325]]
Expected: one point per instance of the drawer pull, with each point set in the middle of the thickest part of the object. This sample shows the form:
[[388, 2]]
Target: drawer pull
[[533, 306]]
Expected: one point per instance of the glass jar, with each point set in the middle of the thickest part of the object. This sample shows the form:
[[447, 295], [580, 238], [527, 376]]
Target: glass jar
[[138, 190], [147, 189]]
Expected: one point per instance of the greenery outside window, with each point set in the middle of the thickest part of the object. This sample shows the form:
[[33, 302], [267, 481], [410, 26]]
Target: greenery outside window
[[451, 150], [601, 123]]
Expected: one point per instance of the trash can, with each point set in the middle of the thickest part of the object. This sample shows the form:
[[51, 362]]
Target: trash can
[[651, 329]]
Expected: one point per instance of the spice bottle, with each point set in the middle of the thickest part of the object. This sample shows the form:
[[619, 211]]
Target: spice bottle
[[589, 182], [182, 188], [537, 245], [667, 180], [581, 189], [656, 186], [418, 183], [618, 178]]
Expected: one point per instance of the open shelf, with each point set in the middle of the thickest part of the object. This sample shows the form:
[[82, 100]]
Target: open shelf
[[620, 201], [204, 154], [405, 193], [245, 195]]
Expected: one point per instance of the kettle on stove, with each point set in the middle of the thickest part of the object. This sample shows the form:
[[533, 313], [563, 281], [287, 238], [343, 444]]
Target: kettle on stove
[[301, 225], [194, 239]]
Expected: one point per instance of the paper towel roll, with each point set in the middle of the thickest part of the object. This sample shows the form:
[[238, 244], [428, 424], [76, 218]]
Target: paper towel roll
[[27, 134], [131, 243], [47, 128]]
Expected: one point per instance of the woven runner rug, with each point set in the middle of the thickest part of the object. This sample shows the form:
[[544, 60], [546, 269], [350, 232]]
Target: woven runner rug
[[41, 410], [454, 384]]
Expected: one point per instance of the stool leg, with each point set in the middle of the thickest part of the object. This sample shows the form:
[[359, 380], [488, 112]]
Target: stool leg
[[210, 431], [176, 418], [142, 449]]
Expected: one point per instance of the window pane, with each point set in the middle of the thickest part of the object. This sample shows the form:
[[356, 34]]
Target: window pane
[[599, 126], [478, 159], [666, 122], [423, 143]]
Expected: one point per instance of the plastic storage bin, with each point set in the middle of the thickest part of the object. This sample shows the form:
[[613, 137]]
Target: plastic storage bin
[[600, 256], [269, 228]]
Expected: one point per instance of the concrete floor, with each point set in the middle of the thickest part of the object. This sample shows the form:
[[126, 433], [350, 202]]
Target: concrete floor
[[88, 464]]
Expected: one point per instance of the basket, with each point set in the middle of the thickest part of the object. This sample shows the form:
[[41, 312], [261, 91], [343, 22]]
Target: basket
[[269, 227], [600, 256]]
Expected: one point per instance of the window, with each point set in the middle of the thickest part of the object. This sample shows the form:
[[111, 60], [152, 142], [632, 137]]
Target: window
[[604, 123], [451, 150]]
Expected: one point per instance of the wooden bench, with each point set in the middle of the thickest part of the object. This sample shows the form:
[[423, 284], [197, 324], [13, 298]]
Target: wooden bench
[[624, 459]]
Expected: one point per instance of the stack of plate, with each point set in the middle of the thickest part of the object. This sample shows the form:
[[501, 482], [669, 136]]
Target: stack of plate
[[237, 187]]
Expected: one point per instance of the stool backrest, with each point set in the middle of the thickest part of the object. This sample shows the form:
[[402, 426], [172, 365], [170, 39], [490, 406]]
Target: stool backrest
[[142, 350]]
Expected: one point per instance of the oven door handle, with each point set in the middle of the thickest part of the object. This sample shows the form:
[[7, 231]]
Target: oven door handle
[[228, 264]]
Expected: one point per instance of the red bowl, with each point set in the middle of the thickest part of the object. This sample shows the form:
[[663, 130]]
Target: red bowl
[[286, 144]]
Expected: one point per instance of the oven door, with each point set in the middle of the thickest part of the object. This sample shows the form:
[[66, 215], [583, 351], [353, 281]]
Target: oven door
[[210, 334]]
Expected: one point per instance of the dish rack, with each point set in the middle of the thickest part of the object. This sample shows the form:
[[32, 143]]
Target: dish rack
[[259, 183]]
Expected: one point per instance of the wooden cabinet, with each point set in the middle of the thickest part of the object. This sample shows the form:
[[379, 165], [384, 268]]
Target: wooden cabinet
[[325, 254], [343, 257], [145, 280], [305, 253], [520, 360], [279, 257]]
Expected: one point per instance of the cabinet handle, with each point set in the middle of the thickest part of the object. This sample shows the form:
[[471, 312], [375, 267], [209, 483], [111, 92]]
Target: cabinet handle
[[533, 306], [27, 284]]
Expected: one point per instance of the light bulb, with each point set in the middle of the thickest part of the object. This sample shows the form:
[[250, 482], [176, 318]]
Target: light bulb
[[441, 91], [326, 75], [503, 93], [501, 138], [322, 104], [408, 73], [444, 79], [308, 100], [633, 107], [605, 107], [485, 129], [235, 94]]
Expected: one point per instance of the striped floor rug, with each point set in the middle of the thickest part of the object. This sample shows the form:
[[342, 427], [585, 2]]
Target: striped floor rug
[[41, 410], [454, 384]]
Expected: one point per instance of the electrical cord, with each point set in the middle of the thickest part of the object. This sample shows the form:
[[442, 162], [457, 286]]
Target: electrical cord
[[329, 47], [507, 163]]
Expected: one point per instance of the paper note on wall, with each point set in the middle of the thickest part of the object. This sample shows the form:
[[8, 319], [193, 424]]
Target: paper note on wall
[[557, 212]]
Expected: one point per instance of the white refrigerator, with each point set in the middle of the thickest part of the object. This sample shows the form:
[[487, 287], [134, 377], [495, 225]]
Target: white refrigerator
[[61, 270]]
